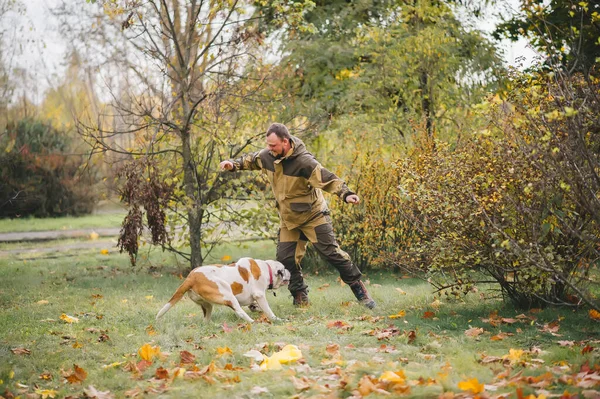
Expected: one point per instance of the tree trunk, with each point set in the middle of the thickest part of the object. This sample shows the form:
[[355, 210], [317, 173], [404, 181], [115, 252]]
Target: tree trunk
[[195, 211], [426, 103]]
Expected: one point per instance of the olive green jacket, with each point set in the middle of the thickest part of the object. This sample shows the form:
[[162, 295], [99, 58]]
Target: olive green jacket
[[296, 180]]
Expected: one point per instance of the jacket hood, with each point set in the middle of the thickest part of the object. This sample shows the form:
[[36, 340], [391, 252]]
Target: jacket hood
[[298, 146]]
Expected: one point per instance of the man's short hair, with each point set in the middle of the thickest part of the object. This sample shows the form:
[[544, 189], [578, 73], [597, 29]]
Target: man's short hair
[[279, 130]]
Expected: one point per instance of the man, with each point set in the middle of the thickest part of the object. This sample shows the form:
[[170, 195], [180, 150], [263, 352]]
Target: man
[[297, 179]]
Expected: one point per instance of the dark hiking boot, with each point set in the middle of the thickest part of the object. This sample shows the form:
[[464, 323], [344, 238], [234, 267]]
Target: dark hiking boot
[[361, 293], [301, 299]]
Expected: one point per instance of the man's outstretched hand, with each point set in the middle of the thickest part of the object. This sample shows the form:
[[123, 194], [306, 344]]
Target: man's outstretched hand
[[226, 165], [352, 199]]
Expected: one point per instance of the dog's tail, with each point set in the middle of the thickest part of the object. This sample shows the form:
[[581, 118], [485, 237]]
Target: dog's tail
[[183, 288]]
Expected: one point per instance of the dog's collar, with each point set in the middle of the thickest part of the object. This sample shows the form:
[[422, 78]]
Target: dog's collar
[[270, 276]]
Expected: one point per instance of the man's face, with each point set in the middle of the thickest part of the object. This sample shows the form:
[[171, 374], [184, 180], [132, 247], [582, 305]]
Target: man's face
[[277, 146]]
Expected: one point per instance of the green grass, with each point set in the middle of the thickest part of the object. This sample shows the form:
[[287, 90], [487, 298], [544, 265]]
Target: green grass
[[63, 223], [110, 297]]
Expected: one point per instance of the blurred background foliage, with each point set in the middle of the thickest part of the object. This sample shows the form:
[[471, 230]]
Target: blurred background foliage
[[469, 171]]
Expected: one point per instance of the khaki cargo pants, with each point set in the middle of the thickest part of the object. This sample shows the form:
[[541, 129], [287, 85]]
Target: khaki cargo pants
[[291, 247]]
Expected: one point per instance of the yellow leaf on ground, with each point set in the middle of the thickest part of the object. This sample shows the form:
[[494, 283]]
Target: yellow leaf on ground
[[104, 251], [393, 376], [46, 393], [514, 355], [148, 352], [288, 354], [226, 258], [401, 291], [42, 302], [594, 314], [398, 315], [68, 319], [222, 351], [471, 385], [94, 235]]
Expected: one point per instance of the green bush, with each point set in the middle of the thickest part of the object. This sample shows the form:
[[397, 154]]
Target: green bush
[[38, 176], [515, 204]]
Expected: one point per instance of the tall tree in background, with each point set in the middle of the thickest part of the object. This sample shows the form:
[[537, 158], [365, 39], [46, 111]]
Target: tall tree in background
[[566, 31], [193, 74], [389, 68]]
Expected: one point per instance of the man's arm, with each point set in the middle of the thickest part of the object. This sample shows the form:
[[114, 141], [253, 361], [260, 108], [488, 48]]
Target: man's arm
[[245, 162], [329, 182]]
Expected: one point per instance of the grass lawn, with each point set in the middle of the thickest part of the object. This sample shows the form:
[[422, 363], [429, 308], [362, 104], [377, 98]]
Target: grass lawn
[[411, 345]]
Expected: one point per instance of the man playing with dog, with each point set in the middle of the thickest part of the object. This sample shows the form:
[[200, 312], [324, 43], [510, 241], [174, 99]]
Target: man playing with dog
[[297, 180]]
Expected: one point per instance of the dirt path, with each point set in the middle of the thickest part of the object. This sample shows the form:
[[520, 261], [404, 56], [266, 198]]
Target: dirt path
[[58, 234]]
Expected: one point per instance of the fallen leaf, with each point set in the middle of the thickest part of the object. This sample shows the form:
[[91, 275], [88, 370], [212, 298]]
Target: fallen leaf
[[104, 251], [21, 351], [471, 385], [45, 376], [42, 302], [398, 315], [288, 354], [324, 286], [258, 390], [401, 291], [187, 357], [566, 343], [68, 319], [46, 393], [587, 349], [161, 374], [594, 314], [222, 351], [134, 393], [514, 355], [393, 376], [226, 328], [332, 349], [301, 384], [78, 375], [428, 315], [150, 330], [148, 352], [226, 258], [474, 332], [93, 393], [339, 324]]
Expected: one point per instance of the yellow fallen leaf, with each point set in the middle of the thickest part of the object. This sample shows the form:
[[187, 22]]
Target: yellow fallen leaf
[[398, 315], [46, 393], [226, 258], [514, 355], [288, 354], [68, 319], [221, 351], [42, 302], [112, 365], [94, 235], [594, 314], [104, 251], [393, 376], [401, 291], [149, 297], [472, 385], [148, 352]]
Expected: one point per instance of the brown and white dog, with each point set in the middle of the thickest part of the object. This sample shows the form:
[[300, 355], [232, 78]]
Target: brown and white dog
[[240, 284]]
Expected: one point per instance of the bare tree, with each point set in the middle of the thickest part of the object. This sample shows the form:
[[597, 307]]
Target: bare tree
[[188, 72]]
